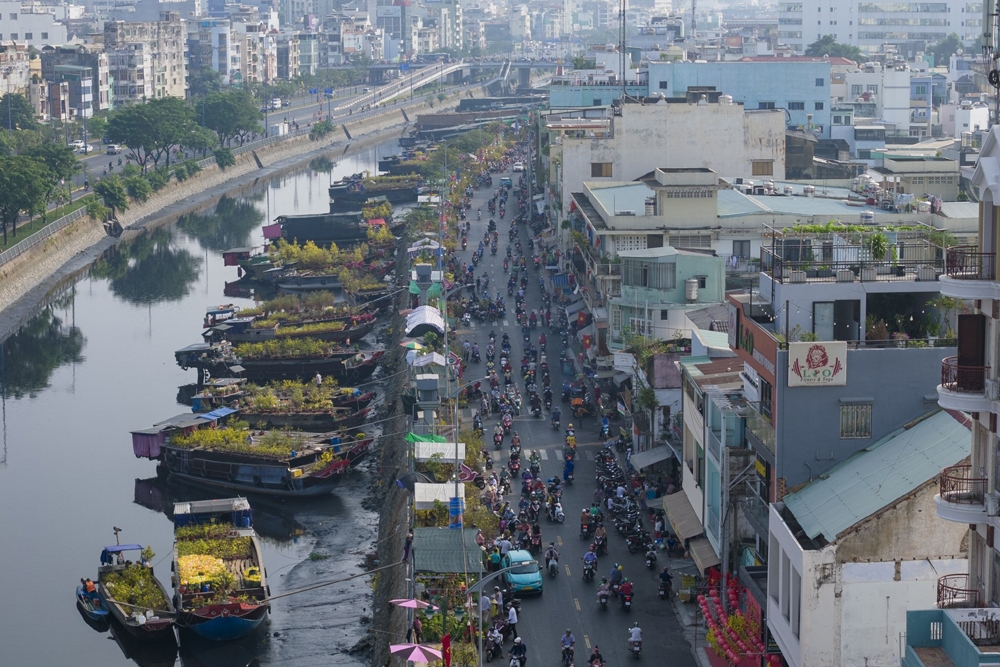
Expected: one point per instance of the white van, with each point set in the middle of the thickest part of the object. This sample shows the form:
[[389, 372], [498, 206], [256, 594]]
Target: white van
[[276, 103]]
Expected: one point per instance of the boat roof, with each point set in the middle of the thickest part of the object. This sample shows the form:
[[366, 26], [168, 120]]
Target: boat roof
[[211, 506], [118, 548], [196, 347]]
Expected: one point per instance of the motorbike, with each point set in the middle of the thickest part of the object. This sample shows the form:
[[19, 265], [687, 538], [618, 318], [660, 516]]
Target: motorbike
[[636, 648], [620, 444], [487, 459], [588, 571], [555, 423], [556, 513], [567, 655], [476, 358], [664, 591], [536, 543], [497, 440], [627, 602], [465, 243], [635, 543], [553, 567], [535, 468], [602, 545], [586, 530], [492, 650], [515, 467], [603, 599], [651, 558]]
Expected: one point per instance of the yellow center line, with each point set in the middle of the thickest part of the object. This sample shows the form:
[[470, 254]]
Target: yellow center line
[[567, 570], [577, 603], [559, 540], [586, 640]]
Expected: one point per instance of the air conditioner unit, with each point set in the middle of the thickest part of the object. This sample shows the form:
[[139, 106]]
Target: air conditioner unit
[[992, 504], [993, 390]]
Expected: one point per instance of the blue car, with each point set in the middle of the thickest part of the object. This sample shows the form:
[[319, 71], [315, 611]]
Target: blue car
[[526, 577]]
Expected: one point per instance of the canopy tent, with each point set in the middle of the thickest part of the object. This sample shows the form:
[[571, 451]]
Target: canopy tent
[[425, 495], [575, 307], [444, 551], [421, 245], [425, 437], [426, 451], [413, 289], [432, 359], [424, 319], [645, 459]]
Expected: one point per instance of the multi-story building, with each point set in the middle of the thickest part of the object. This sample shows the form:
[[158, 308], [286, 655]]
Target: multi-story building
[[288, 56], [252, 39], [888, 87], [30, 24], [147, 59], [15, 68], [80, 80], [84, 55], [870, 25], [308, 53], [963, 631], [800, 86], [215, 44]]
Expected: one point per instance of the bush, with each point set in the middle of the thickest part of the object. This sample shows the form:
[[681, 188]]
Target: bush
[[191, 167], [97, 210], [224, 157], [180, 173], [138, 188], [320, 130], [131, 170], [158, 179]]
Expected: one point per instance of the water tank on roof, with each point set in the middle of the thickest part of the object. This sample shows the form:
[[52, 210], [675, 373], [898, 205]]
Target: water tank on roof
[[868, 217], [726, 100], [691, 289], [650, 206]]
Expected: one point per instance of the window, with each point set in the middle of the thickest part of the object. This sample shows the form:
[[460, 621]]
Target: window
[[29, 35], [819, 83], [763, 168], [664, 315], [663, 85], [640, 326], [857, 89], [655, 275], [765, 105], [872, 88], [600, 169], [856, 421], [921, 90], [819, 106], [702, 281], [13, 36], [837, 120], [742, 249], [597, 102], [13, 16], [616, 319], [766, 398], [45, 35], [796, 106]]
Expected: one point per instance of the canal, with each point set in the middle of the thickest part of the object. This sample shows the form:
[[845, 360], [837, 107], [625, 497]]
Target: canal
[[97, 362]]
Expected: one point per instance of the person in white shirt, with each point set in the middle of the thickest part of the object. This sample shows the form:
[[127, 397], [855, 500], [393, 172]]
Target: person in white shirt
[[512, 619], [634, 635]]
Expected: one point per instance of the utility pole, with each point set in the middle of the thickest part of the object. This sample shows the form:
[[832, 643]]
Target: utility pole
[[7, 71]]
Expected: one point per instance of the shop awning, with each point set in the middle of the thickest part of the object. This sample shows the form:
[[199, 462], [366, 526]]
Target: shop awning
[[426, 451], [424, 494], [575, 307], [703, 554], [645, 459], [683, 521]]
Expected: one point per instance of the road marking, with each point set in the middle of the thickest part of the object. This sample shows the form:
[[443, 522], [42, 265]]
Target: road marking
[[577, 603], [567, 570], [559, 540], [543, 455], [586, 640], [589, 455], [506, 323]]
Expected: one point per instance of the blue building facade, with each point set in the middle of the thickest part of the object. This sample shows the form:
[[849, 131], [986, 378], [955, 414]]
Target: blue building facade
[[800, 87], [564, 94]]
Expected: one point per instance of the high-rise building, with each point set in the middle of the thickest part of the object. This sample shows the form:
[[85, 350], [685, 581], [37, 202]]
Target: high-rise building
[[146, 58]]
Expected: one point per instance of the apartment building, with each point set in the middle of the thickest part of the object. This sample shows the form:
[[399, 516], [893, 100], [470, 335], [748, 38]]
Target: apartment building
[[30, 24], [15, 67], [147, 59], [83, 55], [288, 56], [218, 45]]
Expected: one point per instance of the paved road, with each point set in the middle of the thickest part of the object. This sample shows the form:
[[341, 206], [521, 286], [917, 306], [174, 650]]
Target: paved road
[[568, 601]]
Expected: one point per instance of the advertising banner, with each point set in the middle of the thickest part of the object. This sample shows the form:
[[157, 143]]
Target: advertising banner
[[817, 364]]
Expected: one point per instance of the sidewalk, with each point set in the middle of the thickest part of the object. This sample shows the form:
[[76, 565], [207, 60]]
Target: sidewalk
[[688, 613]]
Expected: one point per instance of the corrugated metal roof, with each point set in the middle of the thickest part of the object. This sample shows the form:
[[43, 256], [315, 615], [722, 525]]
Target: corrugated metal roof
[[439, 550], [876, 477]]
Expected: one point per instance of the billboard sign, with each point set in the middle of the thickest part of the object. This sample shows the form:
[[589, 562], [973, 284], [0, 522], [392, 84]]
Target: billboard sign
[[815, 364]]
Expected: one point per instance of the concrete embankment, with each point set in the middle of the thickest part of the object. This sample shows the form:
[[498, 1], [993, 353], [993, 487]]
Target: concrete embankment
[[27, 279]]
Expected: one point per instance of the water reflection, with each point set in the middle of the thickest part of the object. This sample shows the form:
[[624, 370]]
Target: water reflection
[[322, 165], [228, 226], [144, 654], [30, 356], [148, 269]]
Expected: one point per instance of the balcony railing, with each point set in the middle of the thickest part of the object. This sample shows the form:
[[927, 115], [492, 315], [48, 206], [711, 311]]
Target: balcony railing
[[958, 486], [967, 263], [761, 427], [867, 270], [965, 379], [954, 592]]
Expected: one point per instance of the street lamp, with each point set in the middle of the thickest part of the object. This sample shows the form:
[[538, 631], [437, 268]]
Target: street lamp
[[7, 71]]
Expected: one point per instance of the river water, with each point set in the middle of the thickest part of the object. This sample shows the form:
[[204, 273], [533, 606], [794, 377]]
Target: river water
[[98, 362]]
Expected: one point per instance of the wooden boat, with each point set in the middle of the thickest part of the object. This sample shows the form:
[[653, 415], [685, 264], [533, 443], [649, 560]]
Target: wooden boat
[[319, 421], [219, 314], [215, 360], [147, 443], [217, 393], [137, 581], [92, 608], [222, 600], [355, 190], [240, 330], [307, 467]]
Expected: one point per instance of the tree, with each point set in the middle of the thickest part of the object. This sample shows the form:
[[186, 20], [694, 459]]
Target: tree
[[231, 115], [946, 48], [152, 130], [24, 182], [827, 45], [96, 125], [204, 81], [20, 116], [58, 159], [113, 192]]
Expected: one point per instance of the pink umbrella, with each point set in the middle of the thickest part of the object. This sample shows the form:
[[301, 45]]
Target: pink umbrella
[[416, 652], [412, 604]]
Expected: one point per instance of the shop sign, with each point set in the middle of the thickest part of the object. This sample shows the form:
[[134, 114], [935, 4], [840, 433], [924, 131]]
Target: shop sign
[[814, 364]]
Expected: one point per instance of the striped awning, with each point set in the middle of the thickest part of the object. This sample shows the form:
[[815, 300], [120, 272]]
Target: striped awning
[[683, 521], [703, 554]]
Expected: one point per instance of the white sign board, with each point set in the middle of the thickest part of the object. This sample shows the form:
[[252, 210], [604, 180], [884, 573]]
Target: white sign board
[[817, 364]]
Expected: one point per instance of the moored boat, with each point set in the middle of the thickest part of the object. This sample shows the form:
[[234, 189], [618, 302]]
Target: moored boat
[[275, 463], [220, 585], [357, 189], [315, 421], [133, 595], [91, 606]]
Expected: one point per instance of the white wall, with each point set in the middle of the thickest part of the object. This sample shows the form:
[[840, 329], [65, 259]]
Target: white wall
[[694, 429], [893, 96], [720, 137]]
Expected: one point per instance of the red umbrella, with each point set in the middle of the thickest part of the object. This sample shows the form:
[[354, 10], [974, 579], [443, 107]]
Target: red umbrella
[[412, 604], [416, 652]]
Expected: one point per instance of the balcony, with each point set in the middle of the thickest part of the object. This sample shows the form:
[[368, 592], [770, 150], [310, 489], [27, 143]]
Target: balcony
[[757, 513], [954, 592], [759, 426], [952, 637], [963, 387], [970, 274], [923, 269], [961, 497]]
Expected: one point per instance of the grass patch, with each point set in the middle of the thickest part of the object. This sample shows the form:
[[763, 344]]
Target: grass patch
[[36, 224]]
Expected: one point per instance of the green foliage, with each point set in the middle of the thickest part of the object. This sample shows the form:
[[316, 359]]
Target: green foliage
[[647, 399], [153, 129], [433, 627], [96, 210], [878, 245], [180, 173], [136, 585], [191, 167], [21, 115], [320, 129], [158, 179], [828, 46], [273, 444], [582, 62], [113, 192], [137, 187], [24, 182], [284, 348], [224, 157], [945, 48], [231, 115], [204, 81], [226, 548]]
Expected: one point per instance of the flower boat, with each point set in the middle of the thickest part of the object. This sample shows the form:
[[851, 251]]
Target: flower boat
[[134, 597]]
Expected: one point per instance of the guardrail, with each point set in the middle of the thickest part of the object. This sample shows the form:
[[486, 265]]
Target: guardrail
[[957, 485], [45, 232]]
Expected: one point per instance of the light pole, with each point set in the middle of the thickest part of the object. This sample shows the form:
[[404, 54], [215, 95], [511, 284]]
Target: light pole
[[7, 71]]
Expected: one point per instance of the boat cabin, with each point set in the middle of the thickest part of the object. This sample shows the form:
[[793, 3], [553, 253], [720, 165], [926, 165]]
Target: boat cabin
[[219, 314], [147, 443]]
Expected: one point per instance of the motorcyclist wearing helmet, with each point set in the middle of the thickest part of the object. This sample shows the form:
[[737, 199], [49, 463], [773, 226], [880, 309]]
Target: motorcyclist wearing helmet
[[625, 590], [616, 574], [568, 642], [595, 659], [591, 556], [604, 588], [634, 635], [551, 554], [519, 651], [665, 576]]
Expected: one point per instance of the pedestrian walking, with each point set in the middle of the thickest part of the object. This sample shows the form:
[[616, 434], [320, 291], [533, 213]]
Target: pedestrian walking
[[512, 620], [417, 628], [407, 545]]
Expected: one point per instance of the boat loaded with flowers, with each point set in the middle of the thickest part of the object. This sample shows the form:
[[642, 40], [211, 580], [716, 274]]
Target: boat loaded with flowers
[[278, 359], [133, 595], [302, 405], [275, 463], [220, 586]]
